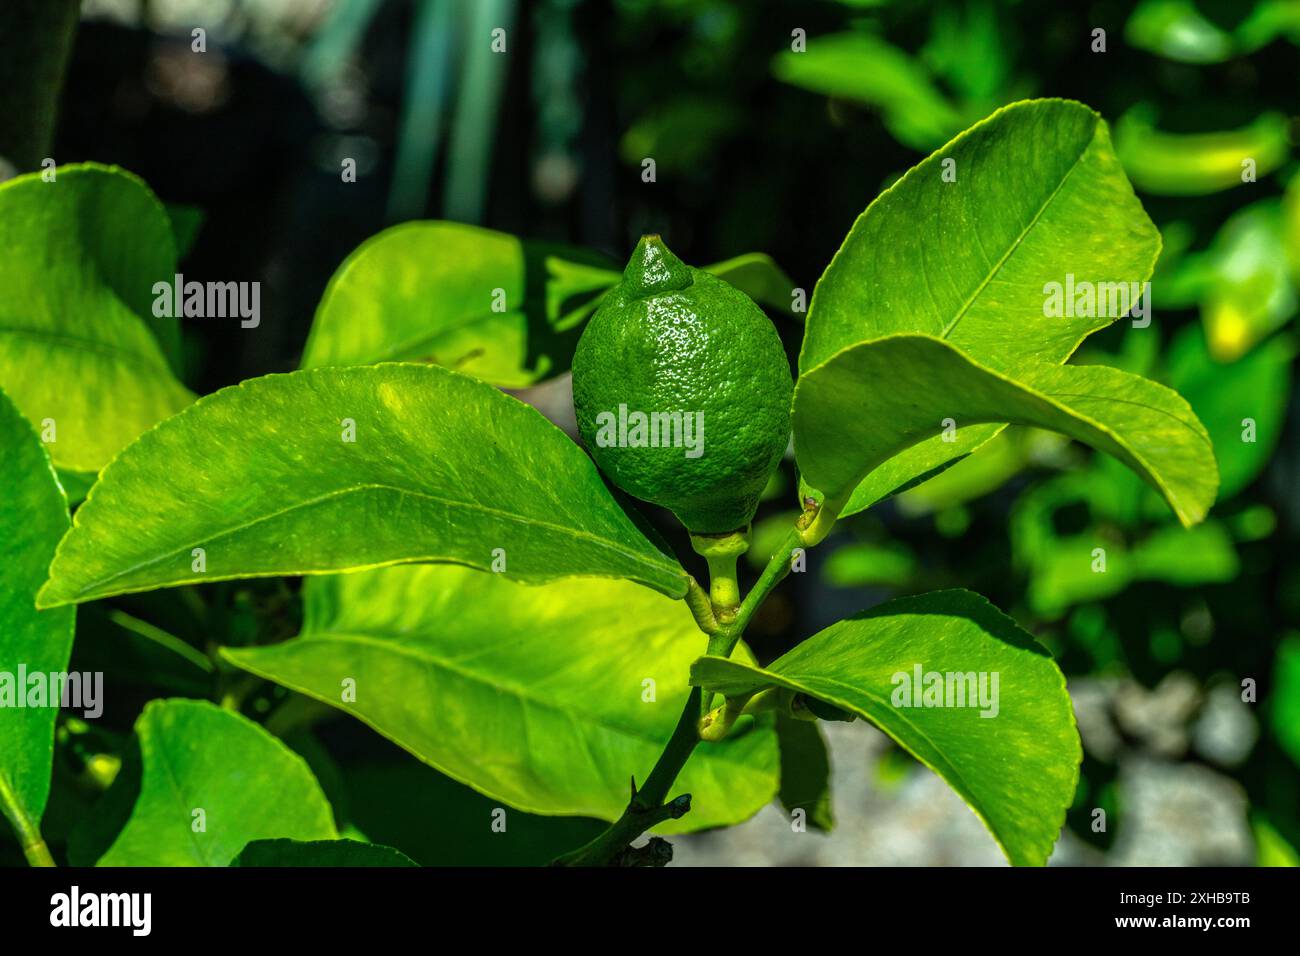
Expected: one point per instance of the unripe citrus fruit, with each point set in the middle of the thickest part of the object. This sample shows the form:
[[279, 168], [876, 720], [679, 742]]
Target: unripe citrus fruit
[[682, 391]]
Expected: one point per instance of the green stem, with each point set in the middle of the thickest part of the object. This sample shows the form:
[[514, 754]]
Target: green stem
[[647, 806], [721, 552], [724, 591], [680, 746], [28, 830], [773, 574]]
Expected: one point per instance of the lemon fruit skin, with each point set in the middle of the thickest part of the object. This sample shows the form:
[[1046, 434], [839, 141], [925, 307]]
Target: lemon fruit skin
[[670, 338]]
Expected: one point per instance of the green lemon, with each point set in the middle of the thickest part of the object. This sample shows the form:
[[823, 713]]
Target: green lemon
[[682, 391]]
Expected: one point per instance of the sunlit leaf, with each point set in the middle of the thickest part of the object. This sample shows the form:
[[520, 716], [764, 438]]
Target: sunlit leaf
[[82, 354], [871, 401], [547, 698], [970, 260], [441, 468], [212, 782], [1013, 757], [486, 303]]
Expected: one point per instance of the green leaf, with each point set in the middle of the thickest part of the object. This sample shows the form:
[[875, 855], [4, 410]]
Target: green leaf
[[260, 477], [1017, 770], [81, 352], [33, 516], [968, 47], [862, 67], [535, 696], [506, 310], [759, 277], [682, 133], [1197, 164], [870, 401], [249, 786], [978, 474], [969, 261], [1065, 573], [805, 772], [320, 853]]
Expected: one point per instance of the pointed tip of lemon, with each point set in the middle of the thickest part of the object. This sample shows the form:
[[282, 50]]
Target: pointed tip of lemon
[[653, 269]]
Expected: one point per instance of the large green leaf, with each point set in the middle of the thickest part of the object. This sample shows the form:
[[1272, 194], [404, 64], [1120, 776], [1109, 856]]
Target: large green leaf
[[533, 695], [81, 352], [247, 784], [33, 516], [870, 401], [1017, 769], [506, 310], [259, 476], [1039, 194], [969, 260], [319, 853]]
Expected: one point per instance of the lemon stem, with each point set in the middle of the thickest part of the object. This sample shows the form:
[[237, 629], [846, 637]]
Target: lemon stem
[[721, 552], [724, 592]]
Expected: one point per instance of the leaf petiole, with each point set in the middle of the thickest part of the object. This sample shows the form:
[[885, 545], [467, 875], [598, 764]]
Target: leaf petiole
[[27, 829]]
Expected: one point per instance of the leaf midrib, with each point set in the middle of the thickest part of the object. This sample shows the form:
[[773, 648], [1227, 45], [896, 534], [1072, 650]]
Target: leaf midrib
[[159, 750], [391, 643], [372, 486], [402, 350], [1021, 238], [70, 342]]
